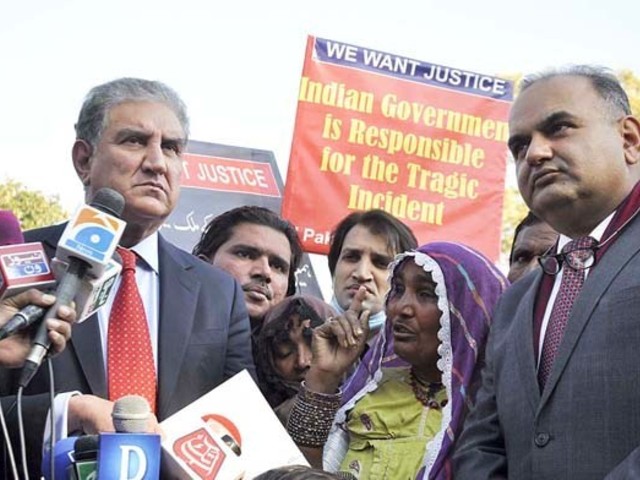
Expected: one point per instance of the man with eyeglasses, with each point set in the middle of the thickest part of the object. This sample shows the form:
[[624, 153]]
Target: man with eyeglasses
[[561, 389]]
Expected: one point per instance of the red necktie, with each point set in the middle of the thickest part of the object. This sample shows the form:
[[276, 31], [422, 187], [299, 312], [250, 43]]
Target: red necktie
[[129, 355], [570, 286]]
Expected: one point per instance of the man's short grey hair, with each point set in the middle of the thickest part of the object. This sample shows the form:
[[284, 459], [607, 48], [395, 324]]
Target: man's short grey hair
[[100, 100], [604, 81]]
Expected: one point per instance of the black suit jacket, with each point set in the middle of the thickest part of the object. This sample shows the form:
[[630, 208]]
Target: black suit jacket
[[203, 339]]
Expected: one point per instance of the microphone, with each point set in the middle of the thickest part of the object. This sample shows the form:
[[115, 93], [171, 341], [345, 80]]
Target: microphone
[[23, 266], [86, 246], [93, 292], [63, 451], [130, 453], [92, 295], [85, 463]]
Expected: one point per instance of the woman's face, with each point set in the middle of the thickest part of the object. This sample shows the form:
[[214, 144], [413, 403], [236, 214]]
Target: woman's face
[[412, 308], [292, 358]]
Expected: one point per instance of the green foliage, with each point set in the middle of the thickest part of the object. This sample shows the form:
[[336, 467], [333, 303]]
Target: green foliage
[[514, 211], [631, 84], [33, 208]]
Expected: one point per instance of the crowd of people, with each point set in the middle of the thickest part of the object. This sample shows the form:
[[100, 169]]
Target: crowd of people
[[427, 362]]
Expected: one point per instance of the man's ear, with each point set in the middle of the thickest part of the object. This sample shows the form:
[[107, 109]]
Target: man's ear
[[81, 154], [631, 134]]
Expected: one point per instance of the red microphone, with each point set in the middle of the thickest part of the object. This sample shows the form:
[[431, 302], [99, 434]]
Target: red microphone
[[22, 265]]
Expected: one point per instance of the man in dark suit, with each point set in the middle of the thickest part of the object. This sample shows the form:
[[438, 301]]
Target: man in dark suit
[[130, 137], [574, 414]]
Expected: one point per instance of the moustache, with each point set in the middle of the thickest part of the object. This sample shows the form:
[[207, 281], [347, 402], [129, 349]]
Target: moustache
[[258, 287]]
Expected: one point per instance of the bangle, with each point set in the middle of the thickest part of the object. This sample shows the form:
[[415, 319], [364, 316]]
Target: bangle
[[312, 416]]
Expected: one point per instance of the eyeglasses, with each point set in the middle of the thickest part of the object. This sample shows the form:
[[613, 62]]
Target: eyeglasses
[[578, 259]]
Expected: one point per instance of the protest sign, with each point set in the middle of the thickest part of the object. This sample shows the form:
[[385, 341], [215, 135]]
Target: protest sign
[[426, 143], [217, 178]]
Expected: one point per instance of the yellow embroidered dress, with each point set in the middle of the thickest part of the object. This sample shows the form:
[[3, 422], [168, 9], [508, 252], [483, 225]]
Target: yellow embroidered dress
[[389, 430]]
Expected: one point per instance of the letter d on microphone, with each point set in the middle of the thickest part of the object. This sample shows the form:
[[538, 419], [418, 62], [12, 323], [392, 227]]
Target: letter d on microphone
[[134, 462], [129, 456]]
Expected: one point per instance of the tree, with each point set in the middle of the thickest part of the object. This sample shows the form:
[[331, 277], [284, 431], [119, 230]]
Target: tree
[[33, 208], [631, 84], [514, 211]]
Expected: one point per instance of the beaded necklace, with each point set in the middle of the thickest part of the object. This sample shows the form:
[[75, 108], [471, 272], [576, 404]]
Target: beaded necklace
[[426, 392]]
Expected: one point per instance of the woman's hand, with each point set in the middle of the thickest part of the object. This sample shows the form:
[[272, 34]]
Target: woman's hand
[[337, 345]]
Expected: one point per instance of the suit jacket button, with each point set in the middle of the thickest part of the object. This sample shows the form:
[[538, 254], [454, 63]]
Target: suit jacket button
[[541, 439]]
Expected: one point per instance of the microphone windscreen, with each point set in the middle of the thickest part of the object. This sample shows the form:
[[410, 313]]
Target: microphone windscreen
[[131, 414], [10, 231], [109, 201], [86, 447]]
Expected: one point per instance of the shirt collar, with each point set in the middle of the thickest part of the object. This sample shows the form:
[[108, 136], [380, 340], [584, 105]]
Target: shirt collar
[[595, 233], [147, 250]]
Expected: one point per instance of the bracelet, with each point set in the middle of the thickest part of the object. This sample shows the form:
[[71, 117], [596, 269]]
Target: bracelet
[[312, 416]]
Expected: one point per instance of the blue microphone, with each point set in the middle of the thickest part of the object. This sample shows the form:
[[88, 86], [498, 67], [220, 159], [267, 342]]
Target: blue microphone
[[130, 453], [63, 451]]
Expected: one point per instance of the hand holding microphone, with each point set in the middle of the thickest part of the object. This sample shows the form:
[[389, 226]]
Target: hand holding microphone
[[133, 451], [15, 349]]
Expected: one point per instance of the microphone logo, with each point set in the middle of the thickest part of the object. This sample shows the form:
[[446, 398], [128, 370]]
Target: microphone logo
[[132, 457], [24, 266], [127, 456], [91, 234], [200, 452]]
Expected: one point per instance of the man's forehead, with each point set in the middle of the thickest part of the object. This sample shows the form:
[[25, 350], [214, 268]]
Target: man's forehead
[[145, 116], [375, 248], [563, 93], [258, 236]]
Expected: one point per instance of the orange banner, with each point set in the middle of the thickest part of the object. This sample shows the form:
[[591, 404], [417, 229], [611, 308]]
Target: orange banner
[[424, 142]]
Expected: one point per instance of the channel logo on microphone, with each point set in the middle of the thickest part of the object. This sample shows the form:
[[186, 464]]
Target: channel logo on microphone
[[125, 456], [92, 234], [24, 266]]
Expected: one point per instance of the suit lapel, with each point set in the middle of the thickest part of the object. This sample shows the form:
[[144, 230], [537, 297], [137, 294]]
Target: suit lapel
[[524, 343], [598, 281], [178, 298], [86, 336], [50, 237]]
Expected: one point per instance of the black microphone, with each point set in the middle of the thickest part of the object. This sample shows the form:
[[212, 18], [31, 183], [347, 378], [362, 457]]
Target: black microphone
[[94, 293], [21, 320], [86, 245], [85, 458]]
